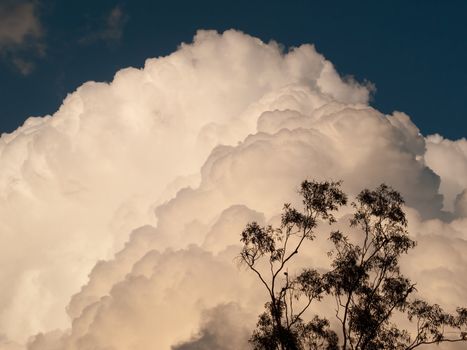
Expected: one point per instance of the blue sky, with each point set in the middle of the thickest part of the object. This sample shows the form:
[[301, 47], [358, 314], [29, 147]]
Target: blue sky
[[415, 52]]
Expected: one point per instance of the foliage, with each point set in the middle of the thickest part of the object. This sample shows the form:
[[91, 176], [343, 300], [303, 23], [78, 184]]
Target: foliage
[[365, 278], [281, 327]]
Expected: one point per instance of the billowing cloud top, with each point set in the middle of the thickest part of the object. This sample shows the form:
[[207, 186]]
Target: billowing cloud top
[[182, 154]]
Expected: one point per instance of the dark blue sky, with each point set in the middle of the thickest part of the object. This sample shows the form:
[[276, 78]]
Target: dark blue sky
[[415, 52]]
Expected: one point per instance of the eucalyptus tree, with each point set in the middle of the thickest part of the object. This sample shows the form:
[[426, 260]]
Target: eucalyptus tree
[[364, 280], [281, 326]]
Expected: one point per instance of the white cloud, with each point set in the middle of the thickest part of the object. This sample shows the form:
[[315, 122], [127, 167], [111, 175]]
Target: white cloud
[[448, 159], [90, 173], [73, 185]]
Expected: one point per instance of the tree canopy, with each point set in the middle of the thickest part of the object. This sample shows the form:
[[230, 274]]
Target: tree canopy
[[364, 278]]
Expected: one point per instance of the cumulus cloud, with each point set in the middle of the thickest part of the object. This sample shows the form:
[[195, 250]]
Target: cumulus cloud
[[448, 159], [182, 154], [20, 32], [95, 170]]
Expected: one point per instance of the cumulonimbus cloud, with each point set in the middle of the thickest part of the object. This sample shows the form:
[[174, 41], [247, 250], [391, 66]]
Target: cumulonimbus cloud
[[183, 153]]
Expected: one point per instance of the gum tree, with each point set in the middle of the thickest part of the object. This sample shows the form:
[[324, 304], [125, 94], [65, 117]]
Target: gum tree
[[369, 288], [281, 326], [365, 279]]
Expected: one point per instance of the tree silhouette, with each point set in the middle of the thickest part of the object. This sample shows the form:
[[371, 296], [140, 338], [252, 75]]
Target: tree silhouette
[[281, 326], [364, 279]]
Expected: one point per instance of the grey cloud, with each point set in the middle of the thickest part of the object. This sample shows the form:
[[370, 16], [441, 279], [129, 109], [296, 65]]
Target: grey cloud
[[111, 29], [21, 34], [460, 204], [18, 23], [24, 66], [222, 328]]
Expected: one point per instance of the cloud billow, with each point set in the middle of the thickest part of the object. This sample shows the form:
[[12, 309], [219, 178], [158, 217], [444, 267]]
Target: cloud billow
[[182, 154]]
